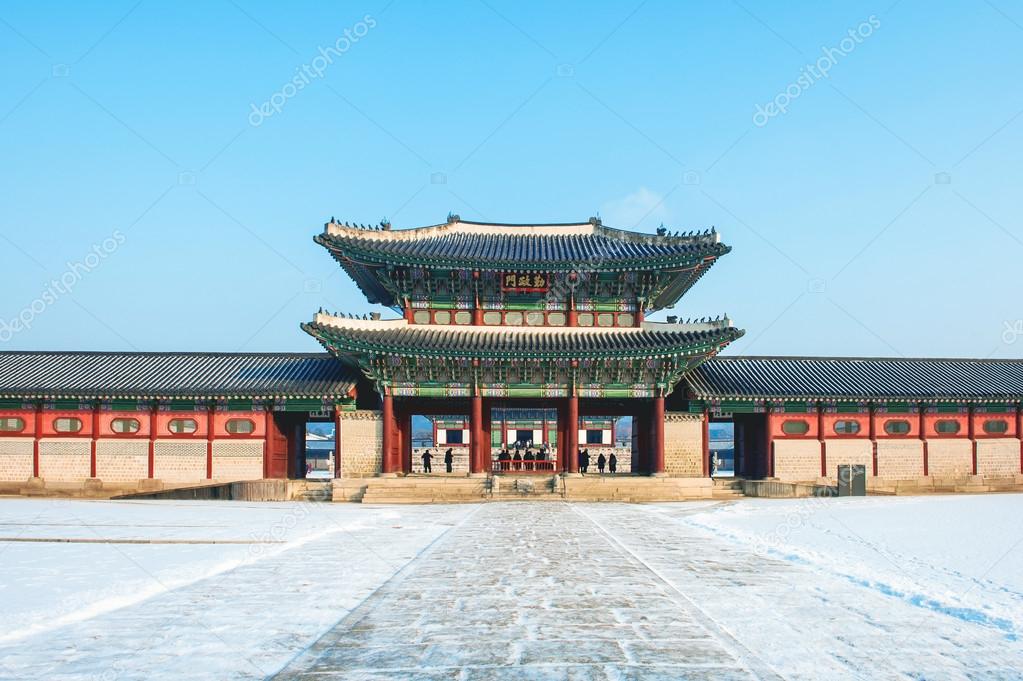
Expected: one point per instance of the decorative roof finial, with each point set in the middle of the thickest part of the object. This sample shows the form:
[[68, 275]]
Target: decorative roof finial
[[386, 224], [453, 217]]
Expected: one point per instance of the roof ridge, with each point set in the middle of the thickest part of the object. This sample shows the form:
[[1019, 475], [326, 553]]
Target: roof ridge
[[847, 358], [167, 353]]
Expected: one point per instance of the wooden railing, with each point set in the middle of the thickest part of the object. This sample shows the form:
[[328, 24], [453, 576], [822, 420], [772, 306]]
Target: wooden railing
[[534, 466]]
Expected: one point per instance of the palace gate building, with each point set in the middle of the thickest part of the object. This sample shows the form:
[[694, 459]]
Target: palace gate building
[[500, 334]]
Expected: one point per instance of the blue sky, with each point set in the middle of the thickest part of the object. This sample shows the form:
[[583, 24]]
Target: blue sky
[[878, 215]]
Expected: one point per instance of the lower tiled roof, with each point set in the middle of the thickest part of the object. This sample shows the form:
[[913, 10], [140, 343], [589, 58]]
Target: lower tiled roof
[[99, 375], [849, 378], [397, 337]]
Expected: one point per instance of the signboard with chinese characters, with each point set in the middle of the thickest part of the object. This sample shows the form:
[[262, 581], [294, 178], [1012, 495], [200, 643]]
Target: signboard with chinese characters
[[531, 282]]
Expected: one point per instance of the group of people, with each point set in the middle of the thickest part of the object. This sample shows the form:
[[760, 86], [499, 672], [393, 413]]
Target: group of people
[[610, 462], [540, 460], [427, 457]]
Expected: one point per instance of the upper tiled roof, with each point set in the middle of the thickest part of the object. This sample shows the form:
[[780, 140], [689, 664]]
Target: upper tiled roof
[[843, 378], [98, 375], [457, 243], [398, 337]]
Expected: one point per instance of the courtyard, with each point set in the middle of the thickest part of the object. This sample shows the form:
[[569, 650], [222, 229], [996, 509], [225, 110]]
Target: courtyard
[[882, 587]]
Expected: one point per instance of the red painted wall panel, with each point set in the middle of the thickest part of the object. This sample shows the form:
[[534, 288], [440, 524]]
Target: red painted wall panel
[[829, 425], [930, 419], [221, 418], [912, 419], [106, 418], [26, 415], [980, 419], [775, 421], [165, 417], [51, 415]]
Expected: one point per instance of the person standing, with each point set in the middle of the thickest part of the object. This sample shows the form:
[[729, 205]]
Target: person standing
[[601, 462], [584, 465], [612, 463], [449, 458], [517, 460], [427, 458], [528, 458]]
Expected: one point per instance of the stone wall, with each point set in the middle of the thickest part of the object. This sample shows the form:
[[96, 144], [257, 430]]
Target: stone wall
[[180, 460], [848, 451], [900, 459], [362, 434], [949, 458], [16, 459], [797, 460], [64, 459], [683, 445], [237, 460], [998, 457], [122, 460]]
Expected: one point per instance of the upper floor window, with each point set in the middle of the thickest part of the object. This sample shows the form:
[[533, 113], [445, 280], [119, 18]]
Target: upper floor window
[[67, 424], [125, 426], [240, 426], [795, 427], [492, 318], [996, 427], [462, 317], [847, 427], [946, 427], [897, 427], [421, 316], [513, 319], [442, 317], [12, 425], [182, 426], [556, 318], [585, 319]]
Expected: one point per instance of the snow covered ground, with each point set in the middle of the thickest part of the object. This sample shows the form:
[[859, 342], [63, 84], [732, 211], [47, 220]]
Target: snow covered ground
[[883, 587]]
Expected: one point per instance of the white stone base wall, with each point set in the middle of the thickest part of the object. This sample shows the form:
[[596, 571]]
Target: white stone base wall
[[900, 459], [237, 460], [998, 457], [851, 451], [122, 460], [362, 439], [16, 459], [180, 460], [951, 458], [797, 460], [65, 459], [683, 445]]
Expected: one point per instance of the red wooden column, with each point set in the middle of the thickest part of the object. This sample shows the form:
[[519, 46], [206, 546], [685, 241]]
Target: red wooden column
[[210, 413], [820, 436], [657, 446], [923, 434], [486, 426], [572, 434], [706, 443], [38, 428], [152, 439], [1019, 433], [476, 463], [972, 434], [95, 436], [388, 435], [337, 441], [872, 431], [769, 443], [405, 439], [573, 316]]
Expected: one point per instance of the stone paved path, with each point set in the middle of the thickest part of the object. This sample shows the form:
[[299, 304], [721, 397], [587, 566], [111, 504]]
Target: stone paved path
[[527, 591]]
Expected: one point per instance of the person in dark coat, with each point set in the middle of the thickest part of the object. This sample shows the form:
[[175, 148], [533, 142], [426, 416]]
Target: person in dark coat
[[541, 455], [586, 460], [503, 458], [601, 462], [517, 460], [612, 463], [449, 458], [579, 460], [427, 458], [528, 458]]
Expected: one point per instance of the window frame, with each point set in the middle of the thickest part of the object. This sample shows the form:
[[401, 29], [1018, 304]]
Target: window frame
[[857, 427], [235, 419], [909, 428], [936, 426], [119, 433], [804, 433], [1006, 427], [184, 419], [16, 419]]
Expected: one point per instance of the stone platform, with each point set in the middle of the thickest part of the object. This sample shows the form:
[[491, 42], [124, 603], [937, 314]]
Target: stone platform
[[425, 489]]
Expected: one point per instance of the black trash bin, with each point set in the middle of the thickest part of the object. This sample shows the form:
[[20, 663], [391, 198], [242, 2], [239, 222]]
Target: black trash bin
[[852, 480]]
